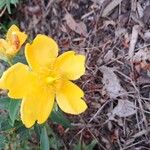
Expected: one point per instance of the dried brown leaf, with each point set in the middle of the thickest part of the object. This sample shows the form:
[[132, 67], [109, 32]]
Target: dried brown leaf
[[140, 10], [124, 108], [111, 82], [141, 59], [79, 28], [110, 7], [133, 40], [109, 55], [147, 36]]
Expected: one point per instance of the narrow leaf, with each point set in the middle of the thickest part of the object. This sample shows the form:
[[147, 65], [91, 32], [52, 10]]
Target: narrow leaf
[[78, 146], [44, 141], [92, 145], [2, 4], [13, 109], [14, 2], [8, 6]]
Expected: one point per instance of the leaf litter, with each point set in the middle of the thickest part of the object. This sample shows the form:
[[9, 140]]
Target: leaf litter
[[112, 85], [111, 82], [79, 28], [124, 108]]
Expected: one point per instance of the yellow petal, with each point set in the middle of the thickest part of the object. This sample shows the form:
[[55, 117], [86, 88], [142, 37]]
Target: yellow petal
[[3, 46], [17, 80], [41, 52], [37, 106], [69, 97], [15, 38], [12, 29], [2, 43], [70, 65]]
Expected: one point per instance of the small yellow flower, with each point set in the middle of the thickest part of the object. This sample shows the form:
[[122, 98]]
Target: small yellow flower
[[14, 40], [46, 77]]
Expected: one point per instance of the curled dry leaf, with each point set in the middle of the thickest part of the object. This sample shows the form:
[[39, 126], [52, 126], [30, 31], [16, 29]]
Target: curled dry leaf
[[111, 82], [79, 28], [141, 60], [124, 108]]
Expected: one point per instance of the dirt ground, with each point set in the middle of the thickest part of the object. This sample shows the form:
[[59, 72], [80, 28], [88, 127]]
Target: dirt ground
[[115, 37]]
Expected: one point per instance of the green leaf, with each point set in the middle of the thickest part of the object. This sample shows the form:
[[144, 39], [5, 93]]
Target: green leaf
[[58, 117], [2, 141], [7, 3], [55, 142], [4, 103], [19, 58], [14, 2], [5, 125], [2, 69], [92, 145], [13, 110], [2, 4], [83, 146], [5, 58], [44, 141], [37, 130], [3, 27], [8, 6], [23, 133], [78, 146]]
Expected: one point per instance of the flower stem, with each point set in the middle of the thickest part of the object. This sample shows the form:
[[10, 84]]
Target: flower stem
[[9, 60]]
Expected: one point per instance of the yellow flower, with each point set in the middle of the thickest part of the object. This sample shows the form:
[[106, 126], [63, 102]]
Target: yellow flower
[[14, 40], [46, 77]]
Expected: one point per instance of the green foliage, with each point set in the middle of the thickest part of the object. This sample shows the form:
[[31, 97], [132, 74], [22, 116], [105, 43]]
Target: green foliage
[[44, 141], [58, 117], [7, 4], [48, 139], [16, 134], [4, 103], [3, 140], [83, 146], [54, 142], [13, 110], [19, 57], [4, 26], [12, 107]]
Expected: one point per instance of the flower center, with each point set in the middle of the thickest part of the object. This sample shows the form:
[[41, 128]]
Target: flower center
[[50, 79]]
